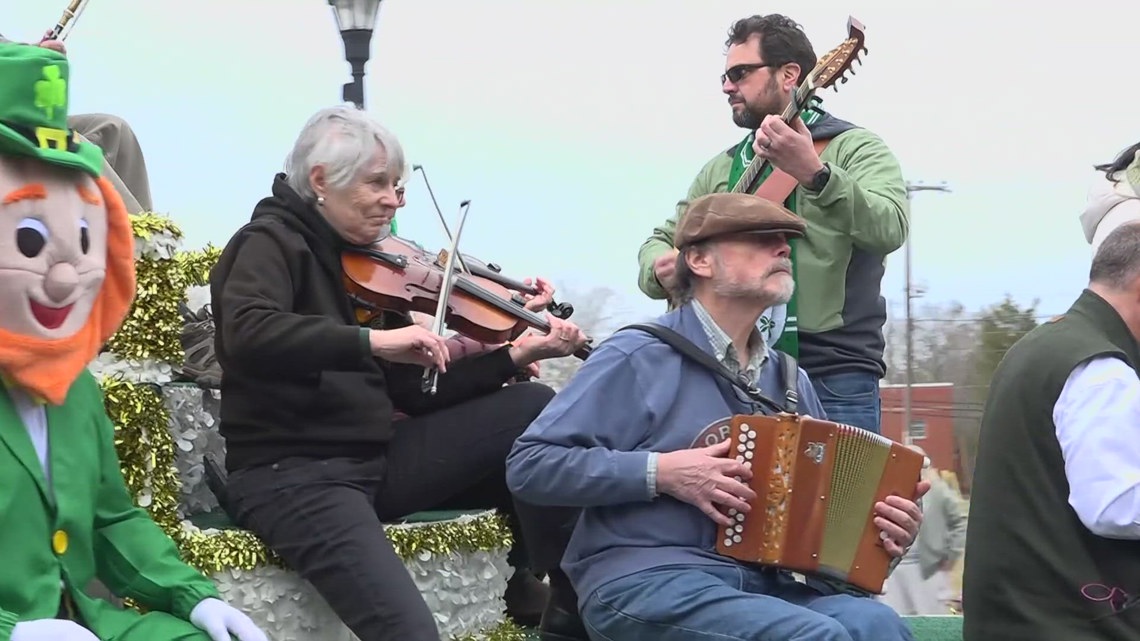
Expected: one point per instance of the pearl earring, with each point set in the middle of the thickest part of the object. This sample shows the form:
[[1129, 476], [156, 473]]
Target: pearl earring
[[320, 201]]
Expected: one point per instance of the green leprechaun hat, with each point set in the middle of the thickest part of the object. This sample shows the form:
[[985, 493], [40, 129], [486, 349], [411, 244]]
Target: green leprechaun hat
[[33, 109]]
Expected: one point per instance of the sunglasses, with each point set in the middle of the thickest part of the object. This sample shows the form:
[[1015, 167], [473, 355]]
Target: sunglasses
[[737, 73]]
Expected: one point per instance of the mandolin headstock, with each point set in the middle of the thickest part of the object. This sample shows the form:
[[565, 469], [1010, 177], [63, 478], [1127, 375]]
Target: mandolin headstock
[[835, 64]]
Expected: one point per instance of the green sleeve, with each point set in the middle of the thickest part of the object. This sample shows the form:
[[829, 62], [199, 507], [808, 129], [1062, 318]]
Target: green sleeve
[[134, 557], [660, 241], [865, 198], [8, 621]]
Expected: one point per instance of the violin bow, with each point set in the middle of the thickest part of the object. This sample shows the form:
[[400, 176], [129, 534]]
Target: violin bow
[[438, 212], [430, 382], [560, 310]]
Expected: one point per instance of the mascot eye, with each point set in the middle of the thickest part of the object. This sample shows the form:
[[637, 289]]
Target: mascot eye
[[31, 237], [84, 236]]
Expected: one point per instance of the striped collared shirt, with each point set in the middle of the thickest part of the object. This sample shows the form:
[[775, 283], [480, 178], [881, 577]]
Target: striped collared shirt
[[724, 350]]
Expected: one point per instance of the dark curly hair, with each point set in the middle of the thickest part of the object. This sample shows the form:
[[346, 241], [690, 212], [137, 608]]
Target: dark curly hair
[[782, 40], [1122, 161]]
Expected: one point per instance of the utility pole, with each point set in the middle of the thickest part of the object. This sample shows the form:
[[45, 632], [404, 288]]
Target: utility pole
[[912, 187]]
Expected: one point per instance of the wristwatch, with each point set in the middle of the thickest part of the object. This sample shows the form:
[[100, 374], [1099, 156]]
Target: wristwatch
[[819, 180]]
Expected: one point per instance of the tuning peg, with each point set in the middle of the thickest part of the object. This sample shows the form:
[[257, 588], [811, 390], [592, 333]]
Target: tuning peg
[[844, 79], [865, 49]]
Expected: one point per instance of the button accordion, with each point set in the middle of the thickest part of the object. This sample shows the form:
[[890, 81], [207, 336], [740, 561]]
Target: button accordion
[[816, 485]]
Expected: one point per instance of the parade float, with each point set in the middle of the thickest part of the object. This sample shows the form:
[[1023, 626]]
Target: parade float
[[166, 429]]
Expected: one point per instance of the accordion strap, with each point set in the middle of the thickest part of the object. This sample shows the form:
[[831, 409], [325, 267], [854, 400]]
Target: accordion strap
[[690, 350]]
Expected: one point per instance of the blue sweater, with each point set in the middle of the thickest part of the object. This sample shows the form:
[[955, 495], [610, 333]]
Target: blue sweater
[[590, 448]]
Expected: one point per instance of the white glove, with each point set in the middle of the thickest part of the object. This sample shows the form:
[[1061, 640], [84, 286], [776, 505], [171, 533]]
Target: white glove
[[217, 619], [51, 630]]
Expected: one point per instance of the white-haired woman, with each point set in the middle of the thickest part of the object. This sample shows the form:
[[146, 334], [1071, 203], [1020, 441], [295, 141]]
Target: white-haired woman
[[315, 461]]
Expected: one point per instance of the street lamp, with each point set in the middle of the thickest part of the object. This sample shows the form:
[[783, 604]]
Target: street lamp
[[356, 20], [912, 187]]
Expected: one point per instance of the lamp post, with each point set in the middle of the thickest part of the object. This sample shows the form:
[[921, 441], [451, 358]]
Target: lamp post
[[912, 187], [356, 20]]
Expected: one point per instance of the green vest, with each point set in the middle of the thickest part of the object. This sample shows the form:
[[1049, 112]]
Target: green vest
[[1033, 571]]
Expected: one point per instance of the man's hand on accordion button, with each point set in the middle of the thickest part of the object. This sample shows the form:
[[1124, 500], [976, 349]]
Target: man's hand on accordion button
[[707, 479], [899, 519]]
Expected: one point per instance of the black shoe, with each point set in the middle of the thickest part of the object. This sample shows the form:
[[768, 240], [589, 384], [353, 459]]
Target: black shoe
[[526, 598], [561, 623], [200, 364]]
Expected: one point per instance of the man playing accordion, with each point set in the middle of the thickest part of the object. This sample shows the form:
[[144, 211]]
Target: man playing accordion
[[627, 441]]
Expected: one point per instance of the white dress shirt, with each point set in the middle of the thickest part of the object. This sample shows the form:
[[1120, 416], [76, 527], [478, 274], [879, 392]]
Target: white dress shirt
[[34, 416], [1098, 427]]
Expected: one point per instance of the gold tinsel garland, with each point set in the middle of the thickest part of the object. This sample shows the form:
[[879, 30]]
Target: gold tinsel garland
[[506, 631], [146, 448], [153, 328]]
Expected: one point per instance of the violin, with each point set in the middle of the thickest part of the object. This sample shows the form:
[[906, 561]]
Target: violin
[[489, 271], [492, 272], [398, 275]]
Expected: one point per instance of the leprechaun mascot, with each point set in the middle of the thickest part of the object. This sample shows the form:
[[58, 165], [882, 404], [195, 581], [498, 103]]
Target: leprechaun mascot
[[66, 283]]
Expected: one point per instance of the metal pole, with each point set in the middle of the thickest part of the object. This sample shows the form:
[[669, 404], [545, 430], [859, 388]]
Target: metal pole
[[911, 187], [357, 43]]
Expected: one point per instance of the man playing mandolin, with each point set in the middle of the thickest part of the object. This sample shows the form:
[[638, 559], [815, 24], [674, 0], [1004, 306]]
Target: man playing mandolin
[[852, 197], [315, 462], [627, 441]]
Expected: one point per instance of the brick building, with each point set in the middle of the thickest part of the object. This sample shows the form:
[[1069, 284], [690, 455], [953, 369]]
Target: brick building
[[932, 421]]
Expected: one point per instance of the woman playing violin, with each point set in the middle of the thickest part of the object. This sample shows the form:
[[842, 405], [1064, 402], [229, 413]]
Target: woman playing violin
[[315, 461]]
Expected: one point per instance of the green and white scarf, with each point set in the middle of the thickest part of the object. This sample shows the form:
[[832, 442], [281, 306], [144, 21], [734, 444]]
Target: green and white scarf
[[779, 324]]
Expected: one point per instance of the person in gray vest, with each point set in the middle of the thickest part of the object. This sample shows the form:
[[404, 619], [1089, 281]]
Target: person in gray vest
[[633, 439], [1053, 537]]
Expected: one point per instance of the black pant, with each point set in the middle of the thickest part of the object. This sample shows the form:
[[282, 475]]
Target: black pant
[[323, 516]]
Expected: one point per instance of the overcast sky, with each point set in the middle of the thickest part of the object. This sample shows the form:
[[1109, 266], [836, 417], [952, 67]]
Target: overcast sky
[[574, 126]]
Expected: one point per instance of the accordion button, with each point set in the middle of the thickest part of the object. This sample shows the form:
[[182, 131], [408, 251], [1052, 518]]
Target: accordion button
[[743, 437], [742, 447], [739, 528], [740, 458], [751, 445], [736, 538], [728, 542], [748, 455], [732, 511], [740, 517], [751, 433]]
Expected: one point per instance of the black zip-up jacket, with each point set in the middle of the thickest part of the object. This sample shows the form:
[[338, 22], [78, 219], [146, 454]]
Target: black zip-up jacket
[[298, 377]]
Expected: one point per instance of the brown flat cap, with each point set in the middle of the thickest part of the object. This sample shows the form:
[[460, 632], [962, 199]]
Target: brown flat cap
[[734, 213]]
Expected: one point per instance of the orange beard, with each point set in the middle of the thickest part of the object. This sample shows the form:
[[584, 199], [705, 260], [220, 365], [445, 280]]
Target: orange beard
[[47, 368]]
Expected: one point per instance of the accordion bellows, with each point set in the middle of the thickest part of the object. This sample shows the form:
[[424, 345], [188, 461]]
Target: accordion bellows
[[816, 485]]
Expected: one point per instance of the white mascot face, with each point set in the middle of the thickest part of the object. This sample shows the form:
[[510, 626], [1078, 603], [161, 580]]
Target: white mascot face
[[53, 248]]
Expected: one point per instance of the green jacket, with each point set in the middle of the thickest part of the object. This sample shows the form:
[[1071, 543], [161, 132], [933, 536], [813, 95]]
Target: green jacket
[[84, 526], [1033, 571], [858, 218]]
